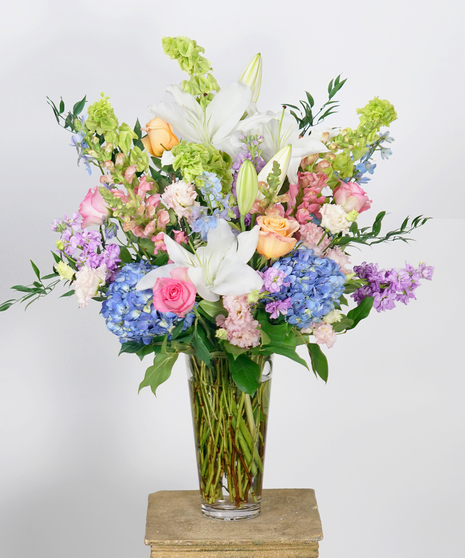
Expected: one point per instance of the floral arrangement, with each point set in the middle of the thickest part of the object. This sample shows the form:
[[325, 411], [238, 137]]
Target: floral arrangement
[[255, 213], [224, 233]]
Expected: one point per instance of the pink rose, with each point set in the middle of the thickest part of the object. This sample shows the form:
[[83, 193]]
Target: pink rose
[[351, 197], [175, 295], [93, 209]]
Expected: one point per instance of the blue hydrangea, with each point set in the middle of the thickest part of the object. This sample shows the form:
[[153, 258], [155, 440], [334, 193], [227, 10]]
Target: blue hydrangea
[[313, 284], [130, 314]]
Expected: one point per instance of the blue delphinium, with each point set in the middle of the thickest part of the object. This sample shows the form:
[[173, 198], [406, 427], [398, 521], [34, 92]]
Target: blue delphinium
[[130, 314], [313, 284]]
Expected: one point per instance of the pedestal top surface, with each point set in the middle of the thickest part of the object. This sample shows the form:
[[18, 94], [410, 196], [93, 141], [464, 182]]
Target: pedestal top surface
[[287, 516]]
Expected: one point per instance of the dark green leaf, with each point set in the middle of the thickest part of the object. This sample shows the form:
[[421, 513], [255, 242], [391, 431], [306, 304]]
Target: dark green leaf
[[56, 257], [345, 323], [319, 361], [36, 269], [125, 255], [6, 305], [201, 349], [159, 372], [245, 373], [311, 102], [24, 289], [212, 309], [130, 347], [50, 276], [288, 352], [62, 106], [361, 311], [77, 109], [69, 293], [233, 349]]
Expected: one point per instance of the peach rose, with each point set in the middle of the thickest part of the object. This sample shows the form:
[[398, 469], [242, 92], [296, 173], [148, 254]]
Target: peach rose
[[159, 138], [275, 236]]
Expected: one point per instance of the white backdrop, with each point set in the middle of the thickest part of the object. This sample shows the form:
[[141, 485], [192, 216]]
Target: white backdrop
[[383, 442]]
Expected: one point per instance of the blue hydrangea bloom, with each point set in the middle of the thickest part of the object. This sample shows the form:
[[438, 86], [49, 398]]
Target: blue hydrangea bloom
[[130, 314], [312, 283]]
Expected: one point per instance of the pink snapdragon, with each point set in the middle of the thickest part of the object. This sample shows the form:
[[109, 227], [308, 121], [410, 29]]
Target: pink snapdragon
[[242, 330], [310, 184]]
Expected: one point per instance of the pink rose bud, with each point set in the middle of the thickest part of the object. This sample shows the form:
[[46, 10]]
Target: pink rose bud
[[351, 197], [93, 209], [175, 295]]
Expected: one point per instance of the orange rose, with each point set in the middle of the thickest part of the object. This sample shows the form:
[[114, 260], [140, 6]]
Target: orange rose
[[159, 138], [275, 236]]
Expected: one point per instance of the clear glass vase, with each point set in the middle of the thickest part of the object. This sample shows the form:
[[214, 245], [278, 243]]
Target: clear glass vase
[[230, 437]]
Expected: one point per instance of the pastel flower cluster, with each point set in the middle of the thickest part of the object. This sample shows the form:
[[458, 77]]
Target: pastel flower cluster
[[241, 328], [130, 314], [390, 286], [313, 285]]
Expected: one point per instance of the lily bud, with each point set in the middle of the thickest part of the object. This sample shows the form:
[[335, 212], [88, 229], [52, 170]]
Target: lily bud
[[246, 187], [283, 158], [252, 76]]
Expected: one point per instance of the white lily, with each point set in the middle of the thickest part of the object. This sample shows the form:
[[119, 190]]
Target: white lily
[[218, 123], [283, 157], [217, 269], [252, 76], [282, 130]]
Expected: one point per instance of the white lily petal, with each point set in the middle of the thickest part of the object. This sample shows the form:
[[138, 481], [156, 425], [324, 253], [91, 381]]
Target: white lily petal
[[221, 239], [226, 109], [246, 245], [236, 278], [167, 158], [180, 256], [149, 280], [197, 276]]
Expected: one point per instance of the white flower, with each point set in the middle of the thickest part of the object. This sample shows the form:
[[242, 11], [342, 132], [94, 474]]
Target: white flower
[[334, 218], [282, 130], [332, 317], [64, 271], [180, 197], [219, 124], [218, 269], [88, 280]]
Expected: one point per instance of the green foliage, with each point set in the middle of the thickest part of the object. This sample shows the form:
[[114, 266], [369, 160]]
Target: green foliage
[[319, 361], [370, 235], [159, 372], [361, 311], [70, 120], [306, 119], [245, 373]]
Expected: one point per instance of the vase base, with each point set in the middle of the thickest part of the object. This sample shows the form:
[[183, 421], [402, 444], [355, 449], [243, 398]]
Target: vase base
[[228, 512]]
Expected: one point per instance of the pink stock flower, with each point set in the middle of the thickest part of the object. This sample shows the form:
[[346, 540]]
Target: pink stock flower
[[175, 294], [311, 236], [351, 197], [93, 209], [243, 331]]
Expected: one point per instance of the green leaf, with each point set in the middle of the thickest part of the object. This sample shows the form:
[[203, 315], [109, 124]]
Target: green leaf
[[50, 276], [319, 361], [377, 224], [62, 106], [288, 352], [36, 269], [69, 293], [212, 309], [245, 373], [130, 347], [361, 311], [77, 109], [6, 305], [125, 255], [24, 289], [233, 349], [345, 323], [159, 372], [201, 349], [56, 257]]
